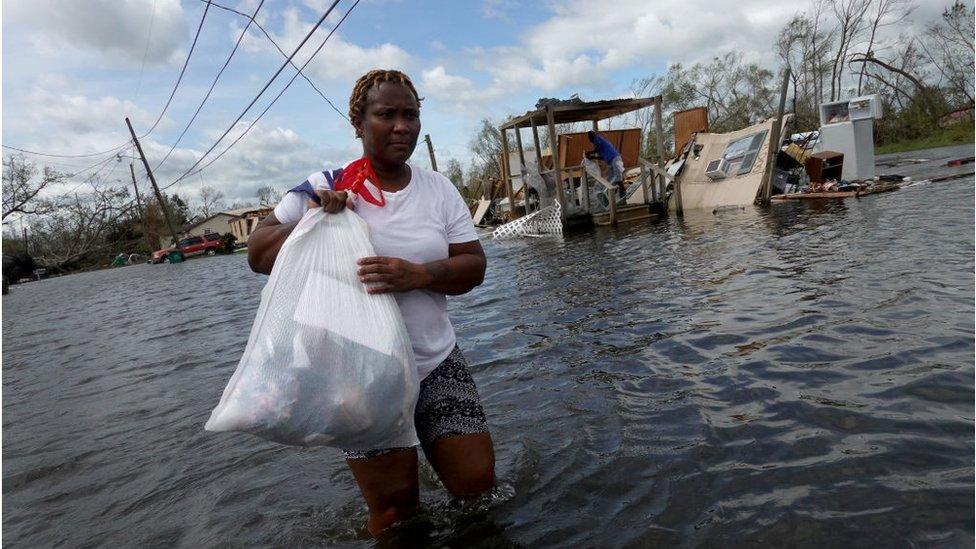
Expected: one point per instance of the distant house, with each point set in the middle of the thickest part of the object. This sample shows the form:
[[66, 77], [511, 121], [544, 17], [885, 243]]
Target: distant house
[[245, 220], [216, 223], [240, 222]]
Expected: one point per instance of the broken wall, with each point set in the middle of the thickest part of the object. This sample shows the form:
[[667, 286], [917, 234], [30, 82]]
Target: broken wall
[[698, 191]]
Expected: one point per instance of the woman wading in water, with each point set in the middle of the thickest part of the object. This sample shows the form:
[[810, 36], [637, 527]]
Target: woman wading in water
[[426, 249]]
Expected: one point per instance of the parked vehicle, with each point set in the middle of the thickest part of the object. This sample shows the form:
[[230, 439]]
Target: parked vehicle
[[207, 244]]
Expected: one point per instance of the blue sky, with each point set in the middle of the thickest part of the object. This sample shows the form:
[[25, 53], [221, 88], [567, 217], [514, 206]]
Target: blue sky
[[72, 70]]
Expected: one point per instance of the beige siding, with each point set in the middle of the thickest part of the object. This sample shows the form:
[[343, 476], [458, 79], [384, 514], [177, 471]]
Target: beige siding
[[698, 191], [219, 223]]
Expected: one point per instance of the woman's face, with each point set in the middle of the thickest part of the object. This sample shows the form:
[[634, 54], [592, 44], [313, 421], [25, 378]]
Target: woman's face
[[390, 124]]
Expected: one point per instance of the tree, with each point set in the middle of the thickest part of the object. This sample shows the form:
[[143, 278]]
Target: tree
[[211, 201], [487, 148], [850, 15], [736, 94], [948, 45], [802, 46], [455, 173], [644, 118], [268, 195], [77, 226], [240, 204], [886, 13], [478, 185], [21, 189]]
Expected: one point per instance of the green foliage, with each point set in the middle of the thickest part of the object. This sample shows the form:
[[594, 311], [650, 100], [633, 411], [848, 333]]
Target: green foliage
[[455, 173], [957, 134], [17, 263], [228, 243]]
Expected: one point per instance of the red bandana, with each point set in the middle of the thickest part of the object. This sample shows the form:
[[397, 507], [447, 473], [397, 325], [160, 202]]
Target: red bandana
[[354, 177]]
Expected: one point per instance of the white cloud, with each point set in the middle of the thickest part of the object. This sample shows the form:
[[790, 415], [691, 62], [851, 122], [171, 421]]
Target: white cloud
[[116, 28], [583, 42], [338, 60], [76, 124], [438, 83], [498, 9], [267, 155]]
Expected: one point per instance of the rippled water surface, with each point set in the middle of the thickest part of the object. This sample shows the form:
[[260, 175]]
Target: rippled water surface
[[795, 377]]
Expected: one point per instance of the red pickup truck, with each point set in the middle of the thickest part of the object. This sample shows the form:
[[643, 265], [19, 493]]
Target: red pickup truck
[[207, 244]]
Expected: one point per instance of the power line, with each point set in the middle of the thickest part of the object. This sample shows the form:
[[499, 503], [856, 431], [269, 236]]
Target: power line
[[103, 163], [267, 108], [212, 85], [112, 150], [182, 71], [282, 52], [156, 123], [145, 52], [258, 96]]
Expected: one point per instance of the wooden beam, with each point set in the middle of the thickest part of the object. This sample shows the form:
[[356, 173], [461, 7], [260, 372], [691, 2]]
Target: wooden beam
[[774, 142], [643, 177], [659, 133], [522, 170], [658, 171], [554, 146], [506, 180], [430, 151], [538, 157]]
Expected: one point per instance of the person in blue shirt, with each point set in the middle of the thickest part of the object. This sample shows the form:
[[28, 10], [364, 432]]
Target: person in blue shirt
[[611, 157]]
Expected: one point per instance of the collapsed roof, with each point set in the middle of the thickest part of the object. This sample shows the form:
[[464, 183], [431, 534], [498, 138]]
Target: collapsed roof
[[563, 113]]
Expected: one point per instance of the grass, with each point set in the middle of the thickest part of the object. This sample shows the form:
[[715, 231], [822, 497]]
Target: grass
[[956, 134]]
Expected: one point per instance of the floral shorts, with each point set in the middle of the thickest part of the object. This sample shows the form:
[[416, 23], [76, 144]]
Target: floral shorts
[[448, 405]]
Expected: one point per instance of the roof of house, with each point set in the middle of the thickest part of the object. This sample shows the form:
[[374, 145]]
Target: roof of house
[[242, 211], [189, 227], [565, 112]]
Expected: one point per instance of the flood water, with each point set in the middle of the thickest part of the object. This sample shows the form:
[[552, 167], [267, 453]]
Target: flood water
[[801, 376]]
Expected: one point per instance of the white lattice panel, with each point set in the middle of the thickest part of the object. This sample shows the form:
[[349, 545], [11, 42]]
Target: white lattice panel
[[545, 221]]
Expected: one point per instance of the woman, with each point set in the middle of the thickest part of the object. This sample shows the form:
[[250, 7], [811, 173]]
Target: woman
[[426, 247]]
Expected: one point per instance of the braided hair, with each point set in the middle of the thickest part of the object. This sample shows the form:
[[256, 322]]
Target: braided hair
[[357, 101]]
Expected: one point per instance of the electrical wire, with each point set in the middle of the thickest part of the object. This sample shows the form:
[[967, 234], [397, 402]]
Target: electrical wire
[[88, 178], [182, 71], [145, 51], [158, 119], [212, 85], [113, 150], [280, 93], [282, 52], [258, 96]]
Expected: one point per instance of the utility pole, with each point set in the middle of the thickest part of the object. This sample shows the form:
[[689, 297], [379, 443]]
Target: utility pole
[[430, 149], [152, 179], [23, 229], [775, 141], [142, 212]]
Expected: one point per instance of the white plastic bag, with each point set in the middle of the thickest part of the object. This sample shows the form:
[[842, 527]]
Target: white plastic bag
[[325, 363]]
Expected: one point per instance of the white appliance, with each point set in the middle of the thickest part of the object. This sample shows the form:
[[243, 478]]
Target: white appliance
[[848, 127], [717, 169]]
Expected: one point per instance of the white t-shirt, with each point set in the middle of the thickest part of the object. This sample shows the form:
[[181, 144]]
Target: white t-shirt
[[416, 224]]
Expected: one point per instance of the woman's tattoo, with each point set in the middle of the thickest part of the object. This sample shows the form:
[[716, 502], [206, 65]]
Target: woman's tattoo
[[438, 271]]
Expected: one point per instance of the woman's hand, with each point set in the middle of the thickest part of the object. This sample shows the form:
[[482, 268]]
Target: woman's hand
[[333, 201], [390, 274]]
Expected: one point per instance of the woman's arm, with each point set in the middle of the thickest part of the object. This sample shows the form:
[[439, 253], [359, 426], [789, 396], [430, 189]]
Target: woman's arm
[[461, 272], [265, 242]]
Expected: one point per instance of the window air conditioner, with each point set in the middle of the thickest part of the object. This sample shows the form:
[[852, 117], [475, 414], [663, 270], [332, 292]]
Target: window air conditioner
[[717, 169]]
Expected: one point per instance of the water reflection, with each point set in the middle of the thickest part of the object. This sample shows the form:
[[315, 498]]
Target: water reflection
[[794, 376]]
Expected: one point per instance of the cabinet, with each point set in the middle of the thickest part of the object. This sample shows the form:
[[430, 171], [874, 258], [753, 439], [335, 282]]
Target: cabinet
[[825, 165]]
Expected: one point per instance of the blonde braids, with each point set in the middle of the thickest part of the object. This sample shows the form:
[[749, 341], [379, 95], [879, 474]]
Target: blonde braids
[[357, 101]]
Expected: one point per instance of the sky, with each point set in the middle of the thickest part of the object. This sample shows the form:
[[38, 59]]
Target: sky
[[74, 69]]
